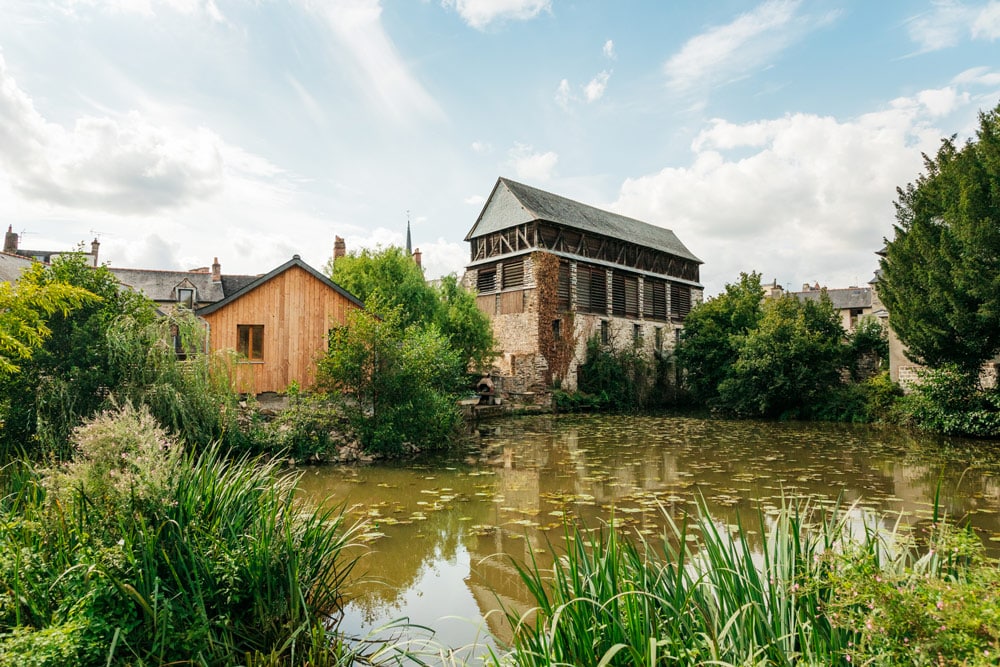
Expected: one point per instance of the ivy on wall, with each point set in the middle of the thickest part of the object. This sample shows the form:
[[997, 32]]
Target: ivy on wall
[[556, 342]]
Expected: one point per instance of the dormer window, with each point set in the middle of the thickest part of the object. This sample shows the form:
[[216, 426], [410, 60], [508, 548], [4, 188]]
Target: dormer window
[[185, 297]]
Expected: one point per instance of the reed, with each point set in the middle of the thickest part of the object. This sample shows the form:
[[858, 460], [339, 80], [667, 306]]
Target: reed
[[166, 557], [706, 594]]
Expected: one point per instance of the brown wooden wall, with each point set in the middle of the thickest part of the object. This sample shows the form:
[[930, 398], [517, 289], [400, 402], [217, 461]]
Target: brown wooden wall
[[297, 312]]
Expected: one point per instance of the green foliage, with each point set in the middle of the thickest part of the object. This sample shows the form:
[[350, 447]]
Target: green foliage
[[306, 428], [391, 278], [24, 309], [69, 377], [467, 328], [867, 348], [613, 379], [139, 553], [941, 272], [871, 400], [398, 381], [814, 593], [786, 362], [711, 335], [947, 400]]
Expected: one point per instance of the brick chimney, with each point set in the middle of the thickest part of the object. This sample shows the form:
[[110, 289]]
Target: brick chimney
[[10, 241], [417, 256], [95, 246], [216, 271], [339, 249]]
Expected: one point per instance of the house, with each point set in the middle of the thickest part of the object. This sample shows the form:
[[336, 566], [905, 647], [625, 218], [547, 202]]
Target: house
[[11, 243], [12, 266], [278, 323], [551, 273], [191, 289], [851, 303]]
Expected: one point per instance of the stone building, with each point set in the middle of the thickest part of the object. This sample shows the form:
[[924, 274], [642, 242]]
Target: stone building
[[552, 273]]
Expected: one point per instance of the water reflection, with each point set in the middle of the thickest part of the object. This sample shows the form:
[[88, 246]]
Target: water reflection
[[451, 532]]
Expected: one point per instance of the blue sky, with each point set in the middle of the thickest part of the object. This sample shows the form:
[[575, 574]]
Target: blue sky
[[769, 136]]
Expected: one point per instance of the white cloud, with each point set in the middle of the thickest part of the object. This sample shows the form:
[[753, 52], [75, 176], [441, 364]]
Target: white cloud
[[379, 70], [981, 76], [480, 13], [482, 147], [124, 164], [802, 197], [949, 21], [594, 90], [149, 7], [475, 200], [564, 94], [609, 50], [532, 166], [728, 52], [987, 24]]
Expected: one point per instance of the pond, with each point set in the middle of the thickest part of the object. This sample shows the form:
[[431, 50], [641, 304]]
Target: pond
[[444, 535]]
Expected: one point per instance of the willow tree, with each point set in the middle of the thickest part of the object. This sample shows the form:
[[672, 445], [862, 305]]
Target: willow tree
[[941, 271]]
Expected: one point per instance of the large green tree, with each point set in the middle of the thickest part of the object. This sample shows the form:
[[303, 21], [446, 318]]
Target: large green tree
[[72, 374], [941, 271], [711, 336], [25, 308], [398, 380], [393, 279]]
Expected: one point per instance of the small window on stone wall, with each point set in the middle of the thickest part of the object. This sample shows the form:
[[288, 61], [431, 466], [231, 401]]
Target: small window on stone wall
[[637, 334], [556, 329], [605, 332], [486, 280]]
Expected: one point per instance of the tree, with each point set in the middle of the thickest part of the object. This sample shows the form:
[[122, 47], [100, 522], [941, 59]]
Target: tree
[[71, 375], [389, 275], [398, 380], [787, 362], [941, 271], [712, 331], [392, 276], [24, 311]]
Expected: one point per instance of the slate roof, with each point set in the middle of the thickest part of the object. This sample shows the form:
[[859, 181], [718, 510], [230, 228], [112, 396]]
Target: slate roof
[[842, 299], [542, 205], [260, 280], [158, 285], [11, 266]]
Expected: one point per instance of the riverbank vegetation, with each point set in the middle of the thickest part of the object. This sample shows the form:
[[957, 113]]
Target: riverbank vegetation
[[813, 593], [141, 552]]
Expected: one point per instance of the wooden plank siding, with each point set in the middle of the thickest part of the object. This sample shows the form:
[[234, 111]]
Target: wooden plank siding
[[297, 312]]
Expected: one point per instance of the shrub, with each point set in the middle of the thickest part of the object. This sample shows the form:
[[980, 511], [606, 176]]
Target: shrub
[[948, 400], [137, 553]]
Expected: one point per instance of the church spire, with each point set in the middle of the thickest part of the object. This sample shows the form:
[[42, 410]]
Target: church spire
[[409, 245]]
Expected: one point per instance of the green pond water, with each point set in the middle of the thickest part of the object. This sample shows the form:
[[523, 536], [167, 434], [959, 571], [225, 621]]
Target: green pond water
[[442, 534]]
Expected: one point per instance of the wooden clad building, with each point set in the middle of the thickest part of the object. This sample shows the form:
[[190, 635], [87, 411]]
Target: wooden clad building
[[279, 324], [552, 273]]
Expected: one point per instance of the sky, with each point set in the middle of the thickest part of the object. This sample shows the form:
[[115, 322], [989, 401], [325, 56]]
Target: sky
[[769, 136]]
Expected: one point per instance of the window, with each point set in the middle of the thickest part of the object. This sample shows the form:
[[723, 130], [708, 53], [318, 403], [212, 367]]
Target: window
[[637, 334], [486, 280], [185, 297], [556, 329], [659, 339], [513, 273], [605, 332], [591, 289], [680, 300], [250, 341]]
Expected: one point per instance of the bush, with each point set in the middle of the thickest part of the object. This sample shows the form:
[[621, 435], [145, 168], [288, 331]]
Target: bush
[[139, 553], [948, 400]]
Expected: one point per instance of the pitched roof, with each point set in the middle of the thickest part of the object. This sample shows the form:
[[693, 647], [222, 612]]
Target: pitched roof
[[542, 205], [260, 280], [158, 285], [11, 266], [842, 299]]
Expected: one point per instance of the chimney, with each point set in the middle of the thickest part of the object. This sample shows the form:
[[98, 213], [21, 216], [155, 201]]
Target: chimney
[[216, 271], [339, 248], [95, 246], [416, 257], [10, 241]]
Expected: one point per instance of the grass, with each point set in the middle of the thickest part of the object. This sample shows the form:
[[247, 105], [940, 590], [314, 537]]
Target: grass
[[141, 554], [813, 595]]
